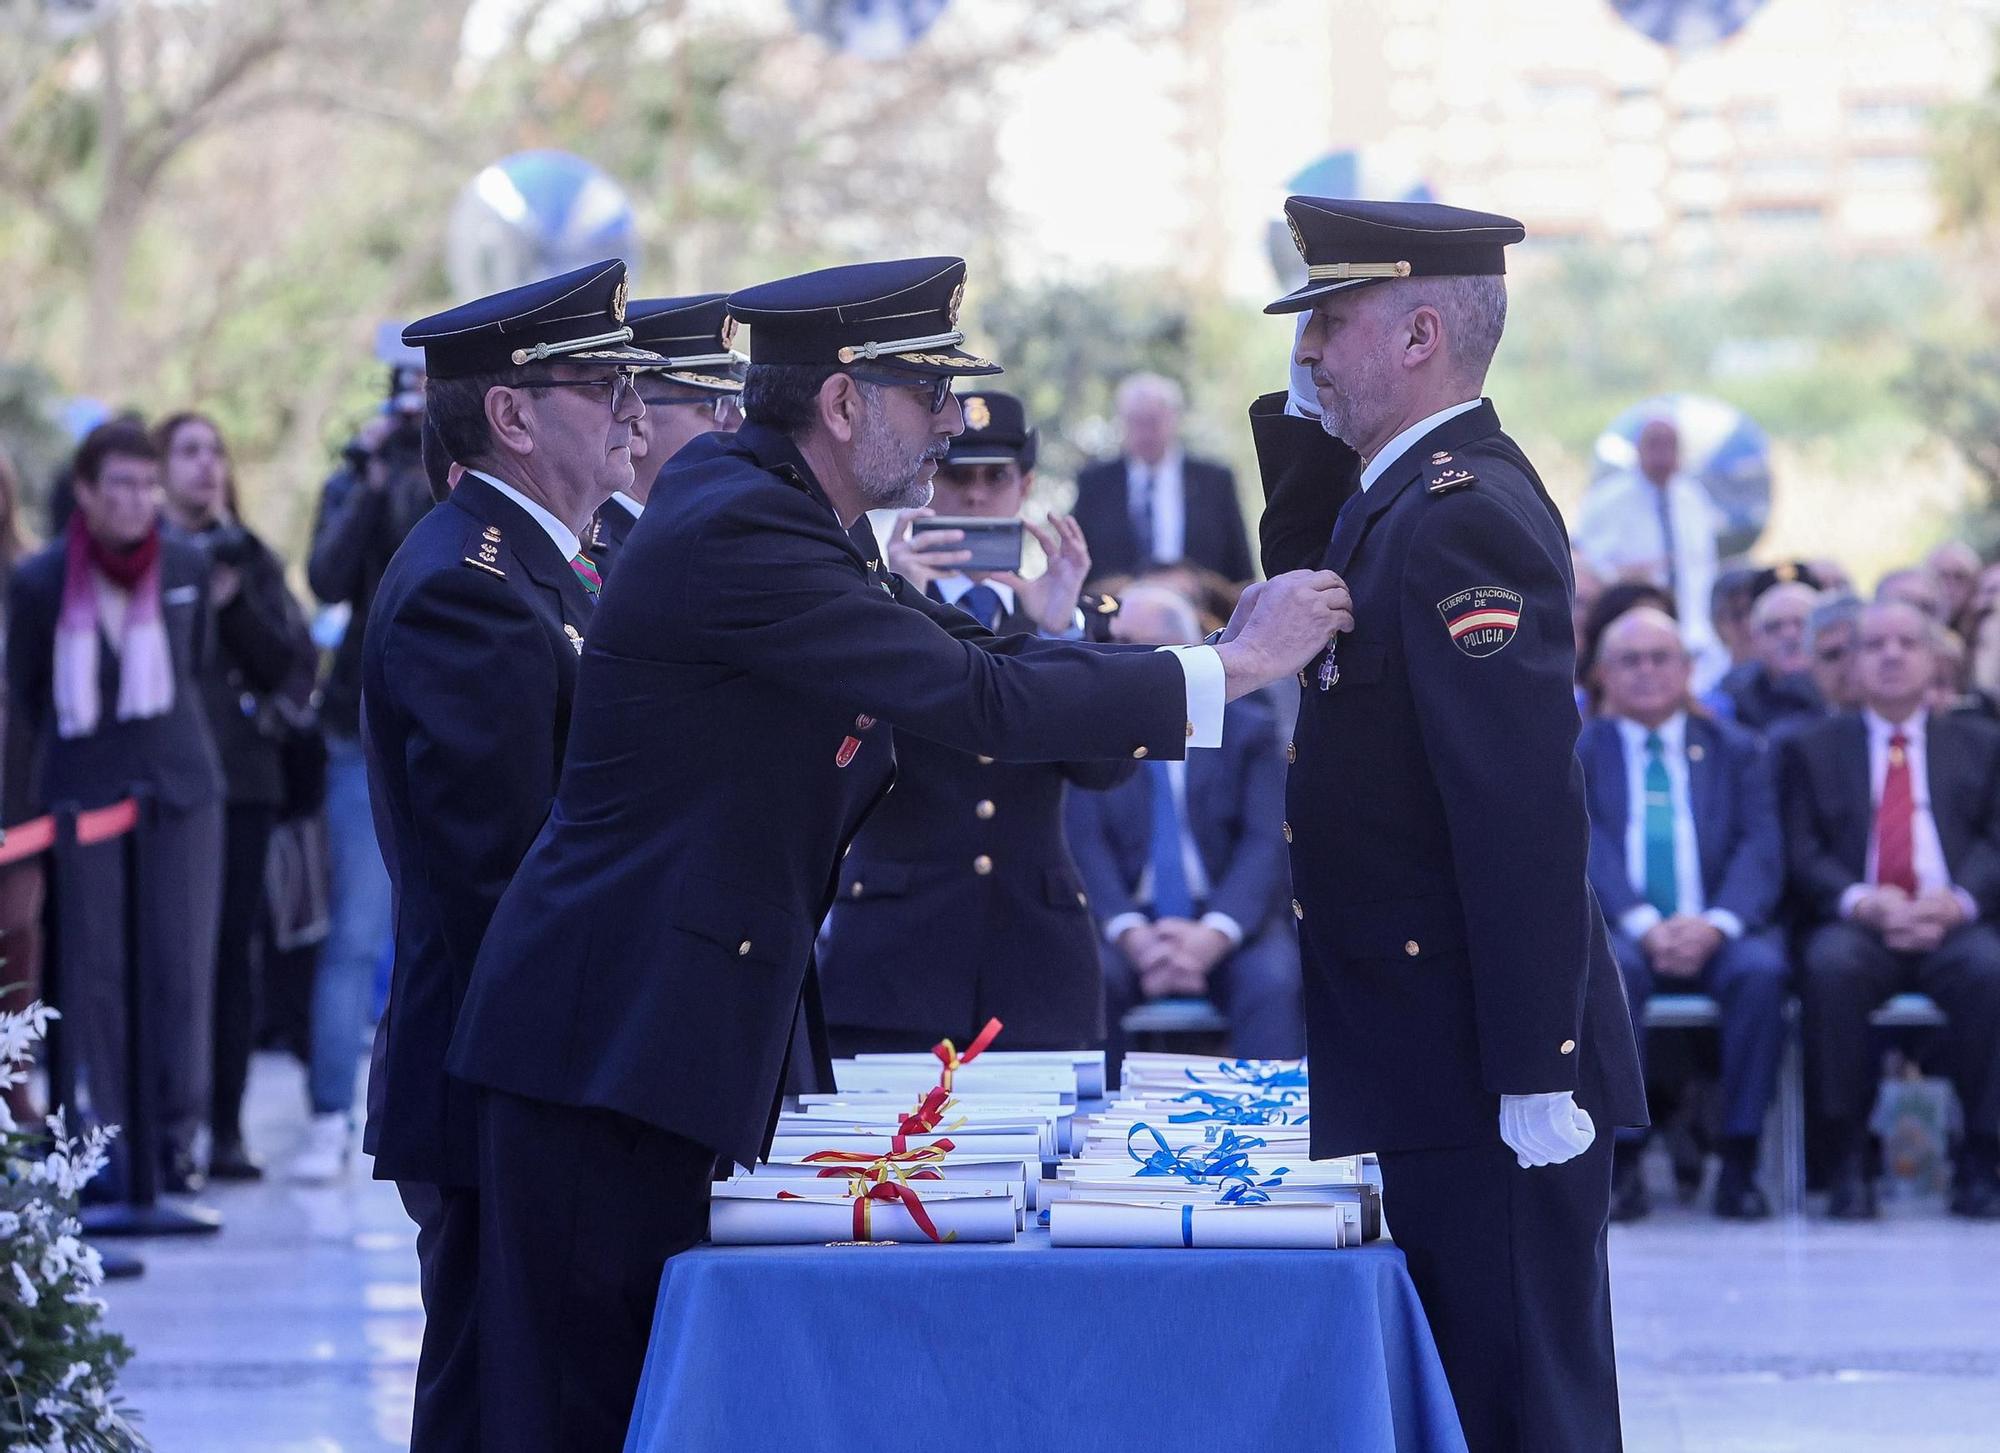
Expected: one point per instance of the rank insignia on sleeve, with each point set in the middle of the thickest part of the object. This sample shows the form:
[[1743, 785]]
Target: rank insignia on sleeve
[[1481, 620]]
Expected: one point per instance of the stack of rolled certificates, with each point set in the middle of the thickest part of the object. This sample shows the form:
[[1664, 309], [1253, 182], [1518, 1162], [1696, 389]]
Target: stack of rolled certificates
[[962, 1140], [1198, 1152]]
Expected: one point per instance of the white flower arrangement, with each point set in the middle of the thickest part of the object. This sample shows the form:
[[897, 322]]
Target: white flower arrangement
[[57, 1363]]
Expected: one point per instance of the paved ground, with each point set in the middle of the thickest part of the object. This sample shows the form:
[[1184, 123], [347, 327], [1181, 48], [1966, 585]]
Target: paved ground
[[296, 1329]]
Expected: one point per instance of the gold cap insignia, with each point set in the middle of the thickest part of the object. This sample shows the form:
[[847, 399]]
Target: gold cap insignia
[[977, 415], [1787, 572], [951, 308], [618, 302], [1107, 605], [1298, 237], [728, 330]]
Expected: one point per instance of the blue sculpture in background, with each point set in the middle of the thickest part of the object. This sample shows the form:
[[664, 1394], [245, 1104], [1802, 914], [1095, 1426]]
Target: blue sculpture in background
[[533, 215]]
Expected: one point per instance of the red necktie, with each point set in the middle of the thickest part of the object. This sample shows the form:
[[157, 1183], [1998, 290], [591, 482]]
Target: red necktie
[[1895, 853]]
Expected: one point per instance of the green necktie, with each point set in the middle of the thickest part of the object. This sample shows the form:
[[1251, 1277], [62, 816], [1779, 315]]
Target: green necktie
[[1662, 879]]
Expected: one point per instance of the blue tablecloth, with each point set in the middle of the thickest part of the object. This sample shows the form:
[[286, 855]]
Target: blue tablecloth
[[1017, 1349]]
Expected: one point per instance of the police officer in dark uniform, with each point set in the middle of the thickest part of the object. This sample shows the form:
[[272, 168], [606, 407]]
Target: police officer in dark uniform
[[632, 1009], [467, 674], [959, 901], [1464, 1013], [695, 390]]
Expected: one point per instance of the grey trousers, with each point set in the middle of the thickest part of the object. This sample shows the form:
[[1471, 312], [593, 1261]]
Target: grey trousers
[[181, 879]]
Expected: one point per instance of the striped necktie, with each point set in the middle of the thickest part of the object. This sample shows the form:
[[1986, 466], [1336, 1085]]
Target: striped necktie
[[587, 573]]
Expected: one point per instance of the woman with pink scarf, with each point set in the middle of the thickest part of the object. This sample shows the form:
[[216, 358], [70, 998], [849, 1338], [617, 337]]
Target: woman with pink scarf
[[106, 630]]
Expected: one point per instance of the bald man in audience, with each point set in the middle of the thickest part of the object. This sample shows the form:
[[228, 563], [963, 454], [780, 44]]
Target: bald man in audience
[[1686, 863], [1775, 685], [1915, 586], [1892, 833]]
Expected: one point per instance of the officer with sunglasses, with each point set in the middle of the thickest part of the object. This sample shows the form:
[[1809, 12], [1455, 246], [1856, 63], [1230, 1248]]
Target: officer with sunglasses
[[697, 389]]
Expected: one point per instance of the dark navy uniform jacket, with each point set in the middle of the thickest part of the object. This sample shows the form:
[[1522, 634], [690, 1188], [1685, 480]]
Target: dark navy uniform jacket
[[959, 902], [1453, 949], [467, 678], [732, 732]]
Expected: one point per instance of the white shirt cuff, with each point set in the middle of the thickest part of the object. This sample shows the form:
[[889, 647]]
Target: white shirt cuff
[[1207, 692], [1853, 895], [1223, 924], [1115, 929], [1640, 921], [1727, 923]]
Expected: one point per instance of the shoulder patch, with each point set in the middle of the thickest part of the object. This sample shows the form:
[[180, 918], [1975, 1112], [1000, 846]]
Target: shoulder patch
[[487, 557], [1481, 619], [1447, 475]]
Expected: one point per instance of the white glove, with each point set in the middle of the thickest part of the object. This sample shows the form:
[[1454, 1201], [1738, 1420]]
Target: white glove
[[1302, 397], [1545, 1129]]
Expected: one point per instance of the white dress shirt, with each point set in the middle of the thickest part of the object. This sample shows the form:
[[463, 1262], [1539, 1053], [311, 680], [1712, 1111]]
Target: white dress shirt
[[1689, 899], [1157, 492], [1618, 532], [1192, 868], [563, 535], [1397, 447], [632, 506], [1926, 849]]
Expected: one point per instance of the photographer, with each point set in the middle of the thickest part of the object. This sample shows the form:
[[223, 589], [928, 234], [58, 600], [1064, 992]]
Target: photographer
[[365, 510], [259, 641]]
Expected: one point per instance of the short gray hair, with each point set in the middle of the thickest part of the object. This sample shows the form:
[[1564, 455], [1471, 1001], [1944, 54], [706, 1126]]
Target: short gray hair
[[1149, 388], [1831, 615], [1474, 310]]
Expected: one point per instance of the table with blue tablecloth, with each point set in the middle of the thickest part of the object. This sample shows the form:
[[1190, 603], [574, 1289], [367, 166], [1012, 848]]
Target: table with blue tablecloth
[[1026, 1347]]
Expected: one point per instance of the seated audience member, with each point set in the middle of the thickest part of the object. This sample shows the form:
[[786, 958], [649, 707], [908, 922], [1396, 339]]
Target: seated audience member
[[108, 630], [1955, 566], [1686, 863], [1615, 601], [1915, 586], [1156, 504], [1185, 864], [958, 901], [1729, 613], [1775, 685], [1892, 827], [1982, 695], [1832, 644], [1584, 597]]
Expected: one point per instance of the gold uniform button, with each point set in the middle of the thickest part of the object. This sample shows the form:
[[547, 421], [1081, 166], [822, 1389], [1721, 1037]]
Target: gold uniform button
[[1138, 751], [743, 949], [1569, 1046], [1298, 909], [984, 809], [1412, 948], [985, 761], [1291, 751], [1286, 829], [1190, 731], [855, 891], [982, 865]]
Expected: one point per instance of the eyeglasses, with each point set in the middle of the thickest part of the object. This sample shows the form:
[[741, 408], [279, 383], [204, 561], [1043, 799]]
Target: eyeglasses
[[1632, 660], [1833, 655], [722, 408], [620, 383], [939, 386]]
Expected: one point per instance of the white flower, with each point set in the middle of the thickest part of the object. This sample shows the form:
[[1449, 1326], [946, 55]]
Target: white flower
[[29, 1295], [72, 1373]]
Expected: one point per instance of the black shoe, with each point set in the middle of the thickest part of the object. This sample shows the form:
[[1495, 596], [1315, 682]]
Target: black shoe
[[1740, 1198], [1630, 1200], [230, 1161], [181, 1176], [1852, 1197]]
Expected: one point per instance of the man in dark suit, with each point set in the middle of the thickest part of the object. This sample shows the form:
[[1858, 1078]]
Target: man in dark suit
[[1464, 1015], [1154, 504], [1186, 878], [633, 1008], [697, 389], [1892, 825], [1686, 862], [108, 635], [958, 900], [467, 677]]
